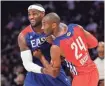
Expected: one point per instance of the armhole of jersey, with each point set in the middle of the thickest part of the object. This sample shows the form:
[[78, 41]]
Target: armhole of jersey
[[56, 42], [26, 30], [72, 26]]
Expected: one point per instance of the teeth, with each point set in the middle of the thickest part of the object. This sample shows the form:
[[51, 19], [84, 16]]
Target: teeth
[[33, 21]]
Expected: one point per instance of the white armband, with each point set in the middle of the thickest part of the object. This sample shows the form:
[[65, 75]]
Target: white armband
[[27, 62]]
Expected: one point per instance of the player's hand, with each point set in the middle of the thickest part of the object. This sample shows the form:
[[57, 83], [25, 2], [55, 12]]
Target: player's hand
[[49, 71], [49, 39], [38, 54]]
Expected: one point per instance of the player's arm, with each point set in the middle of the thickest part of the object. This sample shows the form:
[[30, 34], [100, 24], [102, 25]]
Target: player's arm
[[26, 56], [91, 40], [53, 67]]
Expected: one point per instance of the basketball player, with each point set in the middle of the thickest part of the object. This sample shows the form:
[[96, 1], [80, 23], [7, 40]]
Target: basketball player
[[31, 39], [73, 44]]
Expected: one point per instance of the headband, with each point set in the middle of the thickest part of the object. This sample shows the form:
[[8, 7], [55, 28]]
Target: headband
[[36, 7]]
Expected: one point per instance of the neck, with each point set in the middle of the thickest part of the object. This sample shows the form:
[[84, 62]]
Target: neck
[[101, 55], [38, 29], [56, 31], [59, 31]]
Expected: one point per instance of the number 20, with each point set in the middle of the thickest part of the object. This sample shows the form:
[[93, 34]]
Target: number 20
[[78, 44]]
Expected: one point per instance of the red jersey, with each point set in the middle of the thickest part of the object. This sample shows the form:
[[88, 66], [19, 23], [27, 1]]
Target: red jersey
[[75, 48]]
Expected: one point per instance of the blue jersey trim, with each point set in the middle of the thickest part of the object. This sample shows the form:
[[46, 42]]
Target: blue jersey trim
[[70, 29]]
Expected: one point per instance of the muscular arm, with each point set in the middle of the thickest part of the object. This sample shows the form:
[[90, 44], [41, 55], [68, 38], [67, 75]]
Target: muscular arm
[[26, 56], [53, 67], [22, 43], [91, 40]]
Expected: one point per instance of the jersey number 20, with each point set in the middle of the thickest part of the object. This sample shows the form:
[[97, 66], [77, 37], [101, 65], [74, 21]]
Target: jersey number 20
[[76, 45]]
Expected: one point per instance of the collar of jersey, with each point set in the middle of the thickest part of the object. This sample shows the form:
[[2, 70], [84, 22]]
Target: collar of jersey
[[36, 33]]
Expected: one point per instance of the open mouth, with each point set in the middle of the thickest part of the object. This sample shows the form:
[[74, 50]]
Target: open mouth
[[33, 21]]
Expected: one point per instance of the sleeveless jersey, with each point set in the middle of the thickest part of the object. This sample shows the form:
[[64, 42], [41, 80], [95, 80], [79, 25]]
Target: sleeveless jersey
[[37, 41], [75, 48]]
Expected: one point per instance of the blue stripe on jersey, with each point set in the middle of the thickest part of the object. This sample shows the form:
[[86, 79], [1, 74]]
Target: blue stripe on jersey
[[33, 41], [70, 31], [71, 67]]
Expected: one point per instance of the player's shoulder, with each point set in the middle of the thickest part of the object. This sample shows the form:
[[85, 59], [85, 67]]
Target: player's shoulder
[[26, 30], [74, 26], [56, 42], [54, 47]]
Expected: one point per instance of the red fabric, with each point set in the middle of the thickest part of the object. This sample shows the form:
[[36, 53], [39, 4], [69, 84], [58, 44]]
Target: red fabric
[[26, 30], [92, 41], [88, 79], [76, 51]]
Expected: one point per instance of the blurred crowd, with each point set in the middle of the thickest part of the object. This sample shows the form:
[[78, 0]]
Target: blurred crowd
[[89, 14], [99, 61]]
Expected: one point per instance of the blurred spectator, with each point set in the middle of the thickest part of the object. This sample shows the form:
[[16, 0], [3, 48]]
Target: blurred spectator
[[4, 81], [19, 80], [71, 5], [92, 26], [99, 61]]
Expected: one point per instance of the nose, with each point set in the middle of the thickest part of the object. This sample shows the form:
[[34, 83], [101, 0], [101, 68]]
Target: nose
[[31, 17], [42, 27]]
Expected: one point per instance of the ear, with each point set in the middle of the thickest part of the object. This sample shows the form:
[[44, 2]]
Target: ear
[[54, 25]]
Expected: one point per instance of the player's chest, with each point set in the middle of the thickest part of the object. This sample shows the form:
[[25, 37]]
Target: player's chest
[[35, 40]]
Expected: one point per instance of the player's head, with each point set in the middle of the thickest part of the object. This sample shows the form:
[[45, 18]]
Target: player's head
[[100, 49], [50, 22], [35, 14]]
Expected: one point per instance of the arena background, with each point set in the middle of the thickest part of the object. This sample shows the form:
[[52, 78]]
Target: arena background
[[89, 14]]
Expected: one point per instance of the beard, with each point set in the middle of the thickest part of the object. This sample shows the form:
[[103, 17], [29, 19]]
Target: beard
[[36, 24]]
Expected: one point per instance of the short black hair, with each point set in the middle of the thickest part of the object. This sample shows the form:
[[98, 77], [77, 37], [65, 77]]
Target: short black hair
[[53, 17]]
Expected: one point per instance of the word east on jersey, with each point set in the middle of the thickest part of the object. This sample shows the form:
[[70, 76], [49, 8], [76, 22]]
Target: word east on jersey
[[37, 42]]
